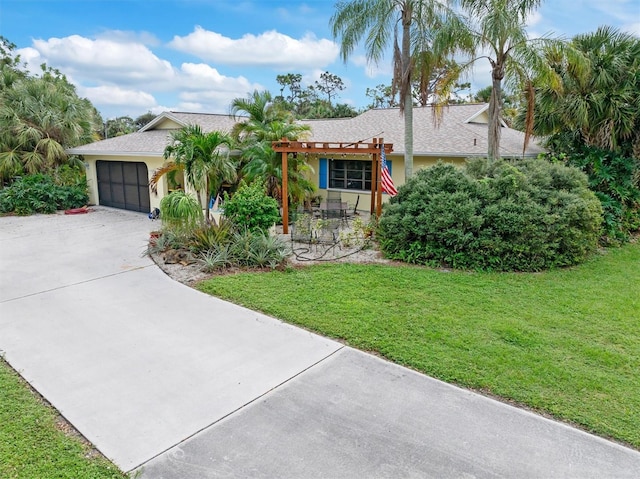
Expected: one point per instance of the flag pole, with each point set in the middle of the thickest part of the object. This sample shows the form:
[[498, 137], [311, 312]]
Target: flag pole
[[374, 176], [285, 194], [379, 181]]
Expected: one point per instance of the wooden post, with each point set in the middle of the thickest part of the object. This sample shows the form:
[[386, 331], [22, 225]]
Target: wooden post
[[374, 176], [379, 181], [285, 194]]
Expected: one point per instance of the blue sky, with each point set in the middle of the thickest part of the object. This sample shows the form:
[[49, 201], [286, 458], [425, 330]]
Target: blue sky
[[133, 56]]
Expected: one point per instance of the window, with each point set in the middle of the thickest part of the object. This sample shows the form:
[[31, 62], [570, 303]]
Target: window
[[350, 174]]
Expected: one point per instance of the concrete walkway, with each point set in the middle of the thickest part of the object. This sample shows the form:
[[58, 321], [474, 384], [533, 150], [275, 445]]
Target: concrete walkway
[[173, 383]]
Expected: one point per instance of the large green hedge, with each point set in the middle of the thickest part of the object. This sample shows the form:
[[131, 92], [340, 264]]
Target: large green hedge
[[527, 215], [42, 194]]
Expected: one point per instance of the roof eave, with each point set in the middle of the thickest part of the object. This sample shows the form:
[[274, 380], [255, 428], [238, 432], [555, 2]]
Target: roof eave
[[79, 151]]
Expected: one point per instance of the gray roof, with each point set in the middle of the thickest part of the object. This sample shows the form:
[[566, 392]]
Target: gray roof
[[462, 131], [152, 139]]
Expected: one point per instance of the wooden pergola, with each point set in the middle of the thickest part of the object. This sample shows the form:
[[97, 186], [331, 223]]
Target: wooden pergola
[[331, 148]]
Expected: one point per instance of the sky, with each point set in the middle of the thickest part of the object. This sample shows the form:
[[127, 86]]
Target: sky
[[133, 56]]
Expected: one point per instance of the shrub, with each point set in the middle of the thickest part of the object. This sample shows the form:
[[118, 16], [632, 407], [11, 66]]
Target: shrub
[[524, 216], [180, 212], [40, 194], [616, 181], [251, 208]]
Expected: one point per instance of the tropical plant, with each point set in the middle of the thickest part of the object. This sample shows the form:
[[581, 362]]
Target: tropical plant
[[600, 108], [245, 248], [377, 22], [211, 235], [181, 212], [40, 117], [593, 122], [264, 123], [495, 30], [204, 158], [251, 208], [615, 179], [41, 194]]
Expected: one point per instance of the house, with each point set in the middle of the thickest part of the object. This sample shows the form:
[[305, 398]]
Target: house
[[118, 169]]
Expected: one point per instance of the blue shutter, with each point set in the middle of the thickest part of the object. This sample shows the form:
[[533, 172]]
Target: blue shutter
[[389, 167], [324, 173]]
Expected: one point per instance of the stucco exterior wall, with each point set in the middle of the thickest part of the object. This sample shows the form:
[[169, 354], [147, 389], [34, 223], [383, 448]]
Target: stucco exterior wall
[[397, 174]]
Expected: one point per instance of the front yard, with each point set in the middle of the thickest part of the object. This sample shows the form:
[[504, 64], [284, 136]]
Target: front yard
[[565, 342]]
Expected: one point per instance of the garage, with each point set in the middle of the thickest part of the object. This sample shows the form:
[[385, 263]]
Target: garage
[[123, 184]]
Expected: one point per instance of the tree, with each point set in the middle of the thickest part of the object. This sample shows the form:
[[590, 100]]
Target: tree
[[600, 109], [204, 158], [293, 81], [143, 119], [263, 123], [329, 84], [121, 125], [382, 96], [305, 103], [40, 117], [496, 30], [376, 21]]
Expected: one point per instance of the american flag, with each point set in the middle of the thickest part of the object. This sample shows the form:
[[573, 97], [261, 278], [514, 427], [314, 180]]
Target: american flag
[[385, 178]]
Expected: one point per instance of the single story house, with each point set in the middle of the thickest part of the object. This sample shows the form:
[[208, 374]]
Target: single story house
[[119, 168]]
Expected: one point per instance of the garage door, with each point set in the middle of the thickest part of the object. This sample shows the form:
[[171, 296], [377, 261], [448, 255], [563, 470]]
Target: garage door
[[124, 185]]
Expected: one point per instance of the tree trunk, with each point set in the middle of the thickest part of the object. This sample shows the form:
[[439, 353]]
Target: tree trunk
[[495, 108], [408, 98]]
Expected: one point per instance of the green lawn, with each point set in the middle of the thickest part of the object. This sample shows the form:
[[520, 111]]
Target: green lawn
[[32, 446], [564, 342]]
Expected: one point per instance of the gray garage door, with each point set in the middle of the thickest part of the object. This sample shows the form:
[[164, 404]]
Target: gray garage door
[[124, 185]]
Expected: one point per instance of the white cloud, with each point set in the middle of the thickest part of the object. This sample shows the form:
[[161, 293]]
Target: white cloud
[[633, 28], [534, 19], [271, 49], [203, 76], [372, 70], [116, 96], [103, 59]]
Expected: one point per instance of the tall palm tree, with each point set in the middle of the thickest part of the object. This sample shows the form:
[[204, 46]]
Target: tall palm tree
[[377, 22], [495, 30], [261, 122], [204, 158]]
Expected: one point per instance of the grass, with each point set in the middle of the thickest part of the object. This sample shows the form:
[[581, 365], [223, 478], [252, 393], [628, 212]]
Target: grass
[[33, 443], [564, 342]]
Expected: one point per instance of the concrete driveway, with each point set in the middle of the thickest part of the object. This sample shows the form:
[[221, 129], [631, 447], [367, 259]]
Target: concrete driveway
[[173, 383]]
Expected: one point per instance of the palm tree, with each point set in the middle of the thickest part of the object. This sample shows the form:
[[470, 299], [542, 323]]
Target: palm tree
[[496, 30], [600, 109], [40, 117], [204, 158], [377, 22], [262, 123]]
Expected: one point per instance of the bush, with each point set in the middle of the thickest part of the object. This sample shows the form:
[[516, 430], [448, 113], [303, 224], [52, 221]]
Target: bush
[[40, 194], [616, 181], [180, 212], [251, 208], [525, 216]]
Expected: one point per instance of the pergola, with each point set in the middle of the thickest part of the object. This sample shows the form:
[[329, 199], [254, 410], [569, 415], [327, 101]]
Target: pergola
[[332, 148]]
